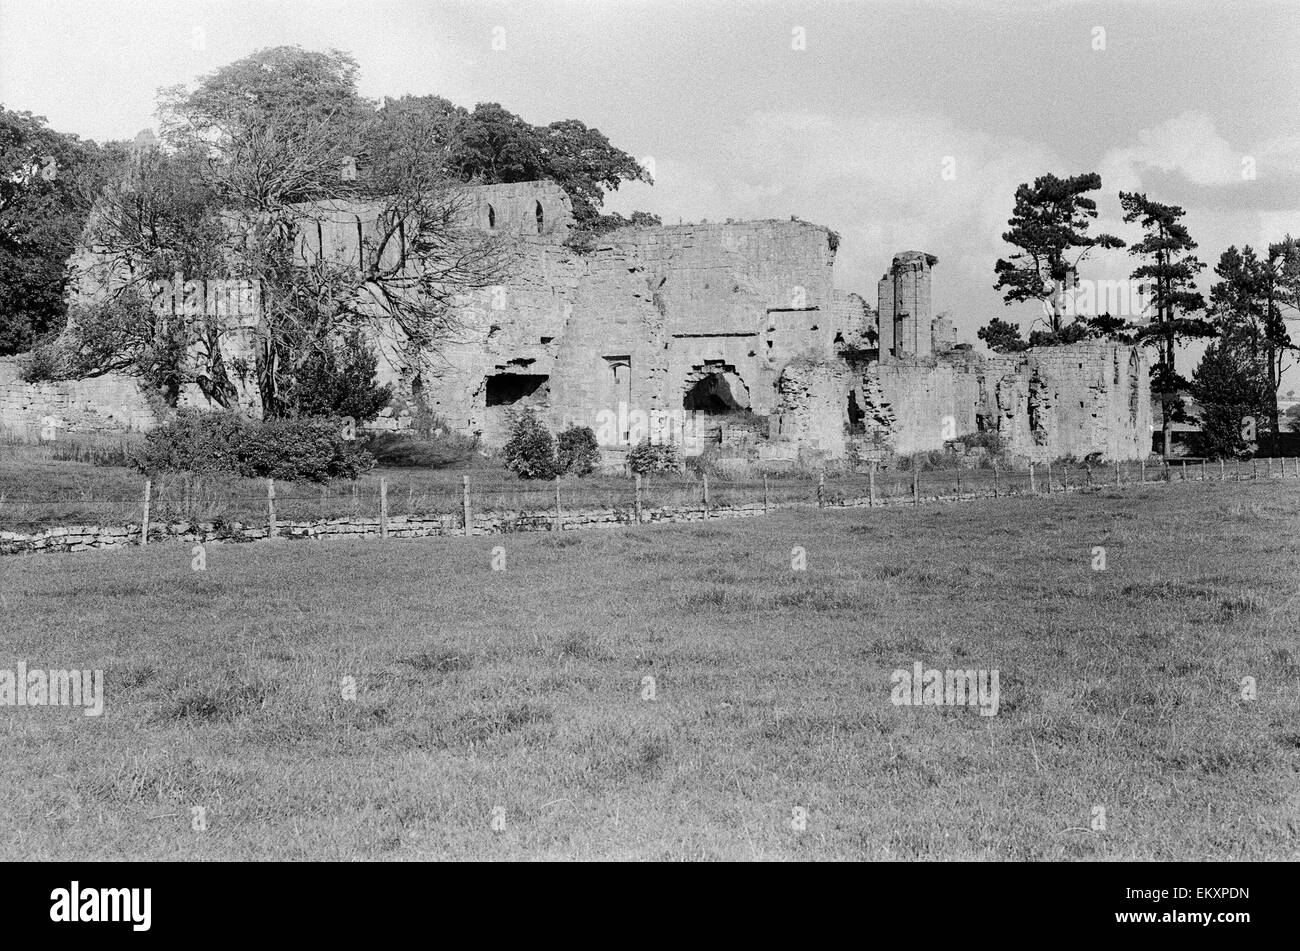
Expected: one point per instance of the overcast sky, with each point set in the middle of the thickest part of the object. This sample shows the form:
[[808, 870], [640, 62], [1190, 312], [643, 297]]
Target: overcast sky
[[851, 131]]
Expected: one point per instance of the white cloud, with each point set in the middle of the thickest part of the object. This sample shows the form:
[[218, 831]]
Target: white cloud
[[1191, 146]]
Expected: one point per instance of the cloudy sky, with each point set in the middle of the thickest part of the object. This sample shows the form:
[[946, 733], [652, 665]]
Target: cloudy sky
[[844, 113]]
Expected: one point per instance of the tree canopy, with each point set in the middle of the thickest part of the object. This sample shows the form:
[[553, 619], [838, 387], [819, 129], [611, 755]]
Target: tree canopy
[[48, 182], [251, 152], [492, 145], [1169, 269], [1049, 229]]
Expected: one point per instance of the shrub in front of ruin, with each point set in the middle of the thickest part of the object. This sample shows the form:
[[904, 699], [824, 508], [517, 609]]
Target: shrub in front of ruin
[[576, 451], [648, 457], [296, 450], [530, 451]]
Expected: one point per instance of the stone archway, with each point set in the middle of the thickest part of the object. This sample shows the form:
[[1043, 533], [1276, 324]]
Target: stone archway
[[715, 388]]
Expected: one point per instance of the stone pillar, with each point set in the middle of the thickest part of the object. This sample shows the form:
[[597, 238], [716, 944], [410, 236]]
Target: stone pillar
[[885, 314], [904, 306]]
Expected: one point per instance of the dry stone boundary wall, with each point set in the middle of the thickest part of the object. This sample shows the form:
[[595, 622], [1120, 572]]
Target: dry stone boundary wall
[[88, 537]]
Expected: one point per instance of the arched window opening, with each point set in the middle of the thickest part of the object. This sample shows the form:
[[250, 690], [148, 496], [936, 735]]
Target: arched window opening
[[540, 217], [716, 394], [492, 217]]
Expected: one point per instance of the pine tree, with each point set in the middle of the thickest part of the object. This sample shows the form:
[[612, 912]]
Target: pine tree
[[1049, 223], [1170, 269]]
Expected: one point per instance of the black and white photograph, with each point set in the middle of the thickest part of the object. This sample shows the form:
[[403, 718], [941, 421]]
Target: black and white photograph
[[650, 431]]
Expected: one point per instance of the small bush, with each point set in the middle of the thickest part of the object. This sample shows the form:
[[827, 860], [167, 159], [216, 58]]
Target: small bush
[[530, 451], [653, 457], [297, 450], [576, 451], [195, 442], [290, 449]]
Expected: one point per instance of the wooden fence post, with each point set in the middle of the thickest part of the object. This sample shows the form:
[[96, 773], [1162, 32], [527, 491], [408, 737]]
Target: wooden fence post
[[765, 497], [871, 486], [1118, 481], [464, 501], [959, 483], [383, 508], [144, 527], [559, 515], [1254, 468], [1202, 470], [706, 495], [821, 488], [916, 483], [1049, 477], [1033, 482], [1269, 465], [995, 481], [271, 529], [637, 480]]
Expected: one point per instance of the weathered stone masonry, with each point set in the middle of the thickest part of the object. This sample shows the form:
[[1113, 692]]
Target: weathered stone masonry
[[100, 406], [742, 319], [738, 323]]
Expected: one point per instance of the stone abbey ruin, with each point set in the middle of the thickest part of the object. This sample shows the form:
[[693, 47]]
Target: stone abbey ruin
[[729, 334]]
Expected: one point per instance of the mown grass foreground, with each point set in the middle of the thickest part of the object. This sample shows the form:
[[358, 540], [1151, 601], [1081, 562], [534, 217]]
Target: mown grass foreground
[[503, 714]]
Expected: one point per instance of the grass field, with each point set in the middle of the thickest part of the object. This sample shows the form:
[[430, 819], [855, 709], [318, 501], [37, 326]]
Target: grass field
[[518, 694]]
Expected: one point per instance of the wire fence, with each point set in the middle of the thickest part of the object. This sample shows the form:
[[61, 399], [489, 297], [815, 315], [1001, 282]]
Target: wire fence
[[195, 500]]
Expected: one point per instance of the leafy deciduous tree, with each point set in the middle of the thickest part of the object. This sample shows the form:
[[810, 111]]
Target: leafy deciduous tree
[[48, 181]]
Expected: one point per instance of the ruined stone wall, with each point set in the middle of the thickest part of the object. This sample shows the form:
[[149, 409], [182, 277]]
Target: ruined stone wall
[[1074, 400], [632, 324], [932, 399], [1045, 404], [737, 322], [100, 406]]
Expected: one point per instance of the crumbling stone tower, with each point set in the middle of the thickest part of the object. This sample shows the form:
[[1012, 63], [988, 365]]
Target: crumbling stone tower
[[904, 299]]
